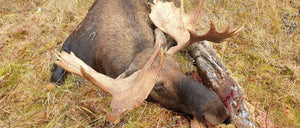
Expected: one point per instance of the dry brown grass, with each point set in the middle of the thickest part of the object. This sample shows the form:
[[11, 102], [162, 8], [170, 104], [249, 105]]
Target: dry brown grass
[[265, 56], [264, 59]]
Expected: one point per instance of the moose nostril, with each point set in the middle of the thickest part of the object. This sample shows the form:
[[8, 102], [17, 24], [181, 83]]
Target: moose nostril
[[227, 121]]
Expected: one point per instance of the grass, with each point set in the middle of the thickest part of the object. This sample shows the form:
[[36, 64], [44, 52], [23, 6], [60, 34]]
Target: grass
[[265, 56], [264, 59]]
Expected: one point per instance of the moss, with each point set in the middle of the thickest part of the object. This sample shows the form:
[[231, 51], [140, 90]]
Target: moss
[[12, 74]]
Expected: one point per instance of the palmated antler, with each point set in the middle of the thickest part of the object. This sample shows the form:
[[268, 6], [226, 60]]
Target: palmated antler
[[181, 26], [128, 93]]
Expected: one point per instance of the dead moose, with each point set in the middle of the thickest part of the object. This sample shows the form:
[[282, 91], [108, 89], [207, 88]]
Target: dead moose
[[118, 51]]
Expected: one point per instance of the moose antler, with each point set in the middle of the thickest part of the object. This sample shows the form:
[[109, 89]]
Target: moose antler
[[181, 26], [128, 93]]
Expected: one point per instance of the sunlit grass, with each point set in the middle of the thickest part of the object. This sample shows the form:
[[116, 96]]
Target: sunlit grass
[[263, 58]]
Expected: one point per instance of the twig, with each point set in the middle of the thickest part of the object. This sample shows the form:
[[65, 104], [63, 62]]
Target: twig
[[239, 104], [142, 111]]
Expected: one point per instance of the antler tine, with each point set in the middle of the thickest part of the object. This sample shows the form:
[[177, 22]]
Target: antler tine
[[213, 35], [142, 82], [154, 56], [196, 12], [76, 66], [181, 7], [128, 93], [181, 26]]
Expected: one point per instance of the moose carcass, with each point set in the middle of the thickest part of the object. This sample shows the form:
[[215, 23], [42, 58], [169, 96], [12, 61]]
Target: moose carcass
[[116, 39]]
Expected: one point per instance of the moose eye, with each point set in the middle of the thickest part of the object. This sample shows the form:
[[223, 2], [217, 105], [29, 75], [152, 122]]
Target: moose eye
[[159, 85], [160, 88]]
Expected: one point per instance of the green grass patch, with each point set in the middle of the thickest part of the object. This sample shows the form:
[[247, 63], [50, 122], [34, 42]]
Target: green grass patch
[[11, 75]]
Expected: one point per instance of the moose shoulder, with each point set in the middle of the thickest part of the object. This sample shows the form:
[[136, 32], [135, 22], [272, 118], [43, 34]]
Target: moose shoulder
[[116, 39]]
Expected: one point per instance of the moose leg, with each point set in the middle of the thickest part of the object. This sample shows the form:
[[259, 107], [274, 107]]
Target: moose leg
[[86, 53], [58, 76]]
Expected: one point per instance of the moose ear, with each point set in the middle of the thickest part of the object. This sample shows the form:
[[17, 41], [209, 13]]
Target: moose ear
[[160, 39]]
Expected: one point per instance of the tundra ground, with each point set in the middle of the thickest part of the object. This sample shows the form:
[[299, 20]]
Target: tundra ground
[[264, 59]]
